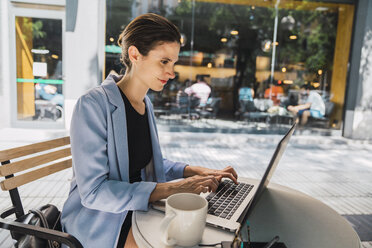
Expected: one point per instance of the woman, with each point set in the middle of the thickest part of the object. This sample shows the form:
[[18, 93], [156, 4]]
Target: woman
[[117, 163]]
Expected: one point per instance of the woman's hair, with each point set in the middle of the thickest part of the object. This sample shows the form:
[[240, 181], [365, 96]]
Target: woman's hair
[[145, 32]]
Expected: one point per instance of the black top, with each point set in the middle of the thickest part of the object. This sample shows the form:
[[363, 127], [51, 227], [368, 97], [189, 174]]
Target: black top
[[139, 140], [140, 154]]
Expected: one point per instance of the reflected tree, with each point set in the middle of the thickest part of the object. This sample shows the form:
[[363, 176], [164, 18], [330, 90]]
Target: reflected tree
[[313, 49], [118, 15], [214, 21], [314, 46]]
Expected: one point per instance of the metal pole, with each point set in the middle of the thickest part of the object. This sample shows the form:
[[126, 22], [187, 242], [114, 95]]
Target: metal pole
[[192, 33], [274, 45], [191, 54]]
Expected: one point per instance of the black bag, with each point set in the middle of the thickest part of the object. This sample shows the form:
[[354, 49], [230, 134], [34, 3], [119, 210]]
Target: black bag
[[47, 216]]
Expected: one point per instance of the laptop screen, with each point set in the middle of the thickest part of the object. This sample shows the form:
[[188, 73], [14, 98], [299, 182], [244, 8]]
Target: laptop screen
[[268, 174]]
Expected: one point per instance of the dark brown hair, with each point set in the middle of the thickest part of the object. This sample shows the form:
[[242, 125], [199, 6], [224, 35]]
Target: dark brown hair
[[145, 32]]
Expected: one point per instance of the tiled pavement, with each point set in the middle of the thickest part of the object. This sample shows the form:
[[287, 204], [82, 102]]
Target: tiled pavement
[[335, 170]]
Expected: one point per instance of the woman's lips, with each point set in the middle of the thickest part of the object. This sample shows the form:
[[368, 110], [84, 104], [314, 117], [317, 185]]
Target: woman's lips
[[163, 81]]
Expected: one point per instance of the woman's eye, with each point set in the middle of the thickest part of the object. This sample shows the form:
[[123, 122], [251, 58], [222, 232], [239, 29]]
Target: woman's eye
[[164, 62]]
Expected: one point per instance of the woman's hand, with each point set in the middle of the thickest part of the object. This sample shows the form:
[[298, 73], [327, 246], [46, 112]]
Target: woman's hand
[[227, 172], [194, 184], [197, 180]]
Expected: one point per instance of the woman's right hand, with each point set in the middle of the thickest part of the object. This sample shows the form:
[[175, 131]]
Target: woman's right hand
[[194, 184]]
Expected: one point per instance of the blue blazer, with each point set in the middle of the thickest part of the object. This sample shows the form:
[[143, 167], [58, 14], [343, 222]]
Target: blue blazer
[[100, 194]]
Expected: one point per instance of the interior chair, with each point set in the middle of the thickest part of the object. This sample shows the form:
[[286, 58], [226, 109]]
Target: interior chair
[[211, 109], [325, 120]]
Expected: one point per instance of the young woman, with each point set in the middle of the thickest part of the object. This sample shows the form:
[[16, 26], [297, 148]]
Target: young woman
[[117, 162]]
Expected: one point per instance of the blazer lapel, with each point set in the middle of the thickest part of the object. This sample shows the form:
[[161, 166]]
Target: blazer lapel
[[119, 124], [157, 156]]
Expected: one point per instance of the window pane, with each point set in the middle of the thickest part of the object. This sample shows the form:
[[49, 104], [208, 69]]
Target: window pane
[[39, 69], [232, 47]]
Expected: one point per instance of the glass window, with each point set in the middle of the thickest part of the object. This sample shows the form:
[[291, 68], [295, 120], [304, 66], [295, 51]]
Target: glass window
[[39, 69], [254, 57]]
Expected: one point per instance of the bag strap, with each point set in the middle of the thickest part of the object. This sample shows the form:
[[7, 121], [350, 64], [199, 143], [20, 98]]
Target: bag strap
[[55, 224], [44, 222]]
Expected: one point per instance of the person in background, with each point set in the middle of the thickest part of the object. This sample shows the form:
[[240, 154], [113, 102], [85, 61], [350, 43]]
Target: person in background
[[171, 88], [246, 93], [314, 105], [200, 89], [274, 91], [118, 166], [50, 93]]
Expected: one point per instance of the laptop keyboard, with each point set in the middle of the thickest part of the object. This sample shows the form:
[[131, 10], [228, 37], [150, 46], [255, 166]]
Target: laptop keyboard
[[227, 198]]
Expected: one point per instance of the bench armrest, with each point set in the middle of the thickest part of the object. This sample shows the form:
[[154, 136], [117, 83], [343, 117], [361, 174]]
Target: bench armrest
[[40, 232], [7, 212]]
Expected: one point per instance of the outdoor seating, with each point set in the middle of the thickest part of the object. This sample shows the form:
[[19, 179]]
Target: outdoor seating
[[249, 112], [247, 106], [262, 110], [185, 106], [46, 109], [280, 115], [323, 121], [158, 111], [181, 105], [256, 117], [211, 109], [35, 164], [244, 107]]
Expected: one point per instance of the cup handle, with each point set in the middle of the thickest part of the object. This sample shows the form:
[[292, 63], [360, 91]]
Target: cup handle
[[164, 228]]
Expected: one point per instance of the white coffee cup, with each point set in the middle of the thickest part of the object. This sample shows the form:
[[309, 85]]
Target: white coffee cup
[[185, 218]]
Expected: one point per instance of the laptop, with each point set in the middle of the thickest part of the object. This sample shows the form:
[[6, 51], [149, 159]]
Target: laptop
[[231, 204]]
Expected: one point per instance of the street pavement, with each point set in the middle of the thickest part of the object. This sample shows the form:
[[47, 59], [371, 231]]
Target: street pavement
[[332, 169]]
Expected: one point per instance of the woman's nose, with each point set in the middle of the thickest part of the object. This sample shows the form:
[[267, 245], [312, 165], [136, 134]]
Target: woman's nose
[[171, 73]]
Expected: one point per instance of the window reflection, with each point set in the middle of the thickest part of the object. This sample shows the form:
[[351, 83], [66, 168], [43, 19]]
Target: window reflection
[[232, 50], [39, 69]]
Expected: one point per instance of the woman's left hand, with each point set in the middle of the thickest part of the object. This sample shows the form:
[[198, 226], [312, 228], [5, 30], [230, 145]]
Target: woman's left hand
[[227, 172]]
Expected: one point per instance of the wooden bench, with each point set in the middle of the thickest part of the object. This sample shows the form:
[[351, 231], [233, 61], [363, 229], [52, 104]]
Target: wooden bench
[[33, 162]]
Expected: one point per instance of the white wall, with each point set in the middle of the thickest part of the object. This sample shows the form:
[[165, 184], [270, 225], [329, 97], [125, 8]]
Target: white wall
[[4, 65], [358, 122], [363, 113], [84, 53]]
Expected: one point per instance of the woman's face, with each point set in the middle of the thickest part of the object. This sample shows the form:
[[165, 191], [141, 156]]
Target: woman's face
[[155, 69]]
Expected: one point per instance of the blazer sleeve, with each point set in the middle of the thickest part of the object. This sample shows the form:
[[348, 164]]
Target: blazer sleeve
[[173, 170], [90, 161]]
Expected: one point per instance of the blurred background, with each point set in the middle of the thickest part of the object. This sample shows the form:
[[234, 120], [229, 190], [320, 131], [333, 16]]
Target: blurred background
[[249, 57], [54, 51]]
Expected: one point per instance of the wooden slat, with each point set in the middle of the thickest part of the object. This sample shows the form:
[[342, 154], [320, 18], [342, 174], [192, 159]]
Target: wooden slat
[[19, 180], [25, 164], [33, 148]]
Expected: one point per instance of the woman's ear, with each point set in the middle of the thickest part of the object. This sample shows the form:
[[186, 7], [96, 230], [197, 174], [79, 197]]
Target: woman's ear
[[134, 54]]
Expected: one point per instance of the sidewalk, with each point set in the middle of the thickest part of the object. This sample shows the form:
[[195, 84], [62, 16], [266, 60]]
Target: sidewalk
[[332, 169]]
